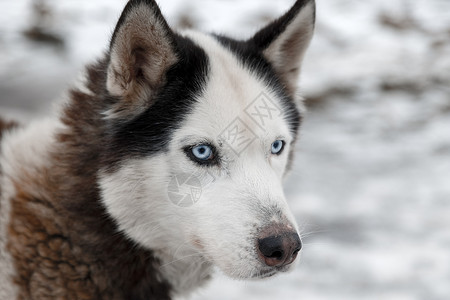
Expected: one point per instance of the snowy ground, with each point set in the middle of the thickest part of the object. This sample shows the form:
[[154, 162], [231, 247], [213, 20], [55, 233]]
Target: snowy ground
[[371, 187]]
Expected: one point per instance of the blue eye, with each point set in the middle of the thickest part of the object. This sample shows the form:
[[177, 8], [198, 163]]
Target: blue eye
[[277, 147], [203, 152]]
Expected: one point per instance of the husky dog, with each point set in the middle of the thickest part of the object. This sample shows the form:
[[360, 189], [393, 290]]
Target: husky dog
[[92, 203]]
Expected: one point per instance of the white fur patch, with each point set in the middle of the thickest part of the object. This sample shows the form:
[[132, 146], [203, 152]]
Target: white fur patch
[[136, 196], [7, 289]]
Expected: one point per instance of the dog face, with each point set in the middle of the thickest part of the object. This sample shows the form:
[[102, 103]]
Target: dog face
[[203, 133]]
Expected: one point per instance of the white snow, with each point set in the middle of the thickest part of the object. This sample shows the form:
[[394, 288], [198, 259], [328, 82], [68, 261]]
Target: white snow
[[371, 185]]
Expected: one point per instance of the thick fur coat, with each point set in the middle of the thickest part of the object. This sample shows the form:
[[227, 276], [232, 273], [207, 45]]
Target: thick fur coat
[[84, 209]]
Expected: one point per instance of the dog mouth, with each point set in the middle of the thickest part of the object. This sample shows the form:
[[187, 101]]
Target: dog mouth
[[266, 273]]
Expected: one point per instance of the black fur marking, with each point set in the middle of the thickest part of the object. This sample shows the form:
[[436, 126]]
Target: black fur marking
[[151, 131]]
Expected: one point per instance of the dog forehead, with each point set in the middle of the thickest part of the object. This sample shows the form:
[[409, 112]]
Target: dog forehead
[[235, 97]]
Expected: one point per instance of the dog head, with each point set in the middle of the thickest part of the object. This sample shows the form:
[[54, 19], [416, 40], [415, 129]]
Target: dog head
[[201, 132]]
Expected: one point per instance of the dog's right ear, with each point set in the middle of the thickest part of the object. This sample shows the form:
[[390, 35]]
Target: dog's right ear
[[285, 40], [142, 50]]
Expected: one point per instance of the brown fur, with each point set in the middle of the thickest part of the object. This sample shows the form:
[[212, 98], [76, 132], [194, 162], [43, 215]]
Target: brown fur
[[6, 126], [62, 242]]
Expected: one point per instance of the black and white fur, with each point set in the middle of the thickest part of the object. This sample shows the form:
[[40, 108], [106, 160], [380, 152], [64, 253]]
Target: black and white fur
[[162, 92]]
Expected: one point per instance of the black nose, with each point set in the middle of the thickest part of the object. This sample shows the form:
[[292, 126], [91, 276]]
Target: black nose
[[279, 250]]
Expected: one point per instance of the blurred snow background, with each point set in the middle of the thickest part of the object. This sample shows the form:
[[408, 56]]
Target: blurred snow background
[[371, 186]]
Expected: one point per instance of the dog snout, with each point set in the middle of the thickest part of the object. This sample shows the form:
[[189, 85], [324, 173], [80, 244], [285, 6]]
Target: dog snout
[[278, 248]]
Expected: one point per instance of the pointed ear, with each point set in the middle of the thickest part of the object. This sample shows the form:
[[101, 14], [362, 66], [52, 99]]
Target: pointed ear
[[142, 50], [284, 41]]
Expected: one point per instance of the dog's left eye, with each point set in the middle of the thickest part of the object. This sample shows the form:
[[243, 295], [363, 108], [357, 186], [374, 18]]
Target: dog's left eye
[[277, 147], [203, 154]]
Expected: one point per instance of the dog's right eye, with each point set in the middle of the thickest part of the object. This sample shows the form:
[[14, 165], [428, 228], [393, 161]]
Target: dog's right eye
[[203, 154]]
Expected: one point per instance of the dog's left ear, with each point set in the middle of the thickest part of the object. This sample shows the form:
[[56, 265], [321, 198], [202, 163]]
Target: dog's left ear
[[284, 41], [141, 52]]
